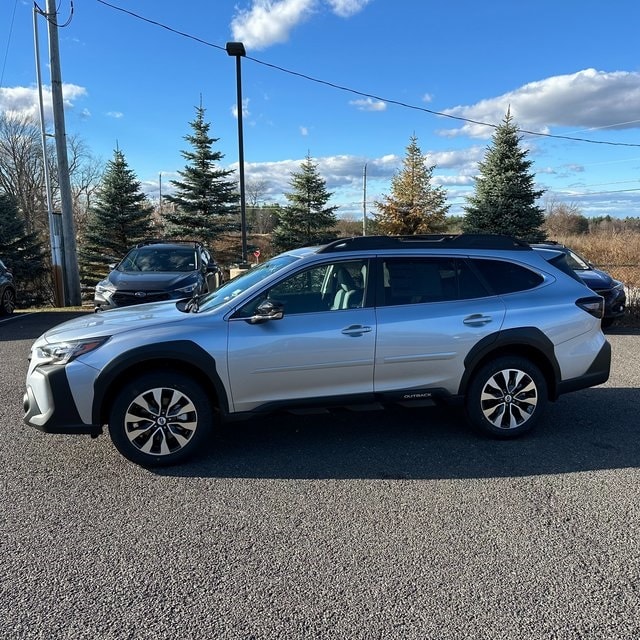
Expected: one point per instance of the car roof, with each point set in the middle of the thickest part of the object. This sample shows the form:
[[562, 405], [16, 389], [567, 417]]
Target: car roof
[[168, 243]]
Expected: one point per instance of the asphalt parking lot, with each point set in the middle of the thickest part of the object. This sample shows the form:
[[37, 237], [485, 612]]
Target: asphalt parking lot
[[397, 524]]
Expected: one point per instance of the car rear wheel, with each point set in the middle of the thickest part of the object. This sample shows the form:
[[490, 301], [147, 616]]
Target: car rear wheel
[[160, 419], [8, 302], [506, 397]]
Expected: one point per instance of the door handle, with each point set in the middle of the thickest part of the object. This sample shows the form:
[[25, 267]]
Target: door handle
[[356, 330], [477, 320]]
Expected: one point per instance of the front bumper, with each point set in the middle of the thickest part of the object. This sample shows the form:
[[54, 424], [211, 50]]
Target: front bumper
[[615, 302], [49, 404]]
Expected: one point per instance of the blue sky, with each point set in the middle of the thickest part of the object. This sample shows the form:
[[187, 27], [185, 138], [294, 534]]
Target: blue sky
[[349, 82]]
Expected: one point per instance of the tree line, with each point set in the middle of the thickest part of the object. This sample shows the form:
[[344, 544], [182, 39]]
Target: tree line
[[112, 213]]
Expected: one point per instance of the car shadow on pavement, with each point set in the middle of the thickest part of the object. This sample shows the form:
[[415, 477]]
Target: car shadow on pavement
[[590, 430]]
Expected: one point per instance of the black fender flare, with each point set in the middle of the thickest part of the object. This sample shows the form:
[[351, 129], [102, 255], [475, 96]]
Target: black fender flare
[[183, 351], [522, 338]]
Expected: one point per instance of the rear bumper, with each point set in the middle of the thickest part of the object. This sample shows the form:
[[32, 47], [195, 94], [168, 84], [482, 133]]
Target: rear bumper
[[598, 373]]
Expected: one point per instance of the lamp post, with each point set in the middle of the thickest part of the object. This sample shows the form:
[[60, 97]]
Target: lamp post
[[237, 50]]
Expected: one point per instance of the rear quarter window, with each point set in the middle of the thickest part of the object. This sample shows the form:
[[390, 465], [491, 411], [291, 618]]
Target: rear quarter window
[[506, 277]]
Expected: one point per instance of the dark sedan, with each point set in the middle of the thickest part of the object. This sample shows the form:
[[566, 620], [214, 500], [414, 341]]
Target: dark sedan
[[615, 298]]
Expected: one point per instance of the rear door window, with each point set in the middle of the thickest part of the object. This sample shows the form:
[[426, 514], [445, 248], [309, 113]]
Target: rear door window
[[416, 280], [503, 276]]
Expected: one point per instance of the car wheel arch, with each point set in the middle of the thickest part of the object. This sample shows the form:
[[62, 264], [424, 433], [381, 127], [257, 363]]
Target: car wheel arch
[[181, 355], [526, 342]]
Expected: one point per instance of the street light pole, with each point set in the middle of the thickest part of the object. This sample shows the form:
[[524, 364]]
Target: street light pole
[[364, 200], [237, 50]]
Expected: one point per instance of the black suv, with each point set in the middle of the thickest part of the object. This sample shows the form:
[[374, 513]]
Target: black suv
[[158, 270], [7, 291], [615, 298]]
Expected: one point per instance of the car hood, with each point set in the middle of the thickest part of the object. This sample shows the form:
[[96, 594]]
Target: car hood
[[596, 279], [107, 323], [148, 280]]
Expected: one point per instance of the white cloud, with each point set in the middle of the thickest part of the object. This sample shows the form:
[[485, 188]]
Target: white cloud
[[269, 22], [347, 8], [245, 109], [588, 99], [304, 131], [369, 104], [21, 101], [115, 114]]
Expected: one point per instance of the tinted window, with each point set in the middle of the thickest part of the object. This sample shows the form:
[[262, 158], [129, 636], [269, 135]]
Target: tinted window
[[506, 277], [420, 280]]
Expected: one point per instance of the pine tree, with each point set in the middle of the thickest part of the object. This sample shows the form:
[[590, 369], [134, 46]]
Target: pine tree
[[206, 202], [21, 252], [415, 205], [120, 218], [307, 219], [504, 198]]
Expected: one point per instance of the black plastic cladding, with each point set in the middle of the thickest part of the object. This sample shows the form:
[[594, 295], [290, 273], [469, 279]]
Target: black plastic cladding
[[428, 241]]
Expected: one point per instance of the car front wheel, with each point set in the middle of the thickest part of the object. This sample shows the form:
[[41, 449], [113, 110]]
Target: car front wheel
[[160, 419], [506, 397]]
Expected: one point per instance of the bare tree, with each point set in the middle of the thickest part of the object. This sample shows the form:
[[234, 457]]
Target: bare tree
[[21, 168], [260, 217]]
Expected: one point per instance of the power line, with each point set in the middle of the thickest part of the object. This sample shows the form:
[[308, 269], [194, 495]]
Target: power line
[[6, 52], [363, 94]]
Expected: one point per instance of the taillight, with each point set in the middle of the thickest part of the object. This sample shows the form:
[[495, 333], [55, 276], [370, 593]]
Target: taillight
[[593, 305]]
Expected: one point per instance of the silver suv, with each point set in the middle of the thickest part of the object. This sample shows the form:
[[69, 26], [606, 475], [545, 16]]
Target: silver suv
[[482, 321]]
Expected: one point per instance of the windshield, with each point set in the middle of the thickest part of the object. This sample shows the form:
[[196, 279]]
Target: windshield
[[576, 262], [180, 259], [244, 281]]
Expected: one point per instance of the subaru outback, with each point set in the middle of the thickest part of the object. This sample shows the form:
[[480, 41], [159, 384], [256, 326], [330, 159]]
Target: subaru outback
[[476, 320]]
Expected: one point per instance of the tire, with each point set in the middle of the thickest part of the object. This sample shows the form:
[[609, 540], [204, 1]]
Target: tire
[[8, 302], [607, 322], [506, 397], [141, 424]]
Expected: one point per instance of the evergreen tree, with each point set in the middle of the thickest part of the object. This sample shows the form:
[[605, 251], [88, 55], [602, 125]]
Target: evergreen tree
[[306, 219], [120, 218], [206, 203], [415, 205], [21, 252], [504, 201]]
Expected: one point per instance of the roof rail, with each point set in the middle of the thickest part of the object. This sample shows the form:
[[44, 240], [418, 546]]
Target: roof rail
[[433, 240]]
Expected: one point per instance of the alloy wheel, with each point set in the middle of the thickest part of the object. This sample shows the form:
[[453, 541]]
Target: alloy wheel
[[161, 421], [509, 398]]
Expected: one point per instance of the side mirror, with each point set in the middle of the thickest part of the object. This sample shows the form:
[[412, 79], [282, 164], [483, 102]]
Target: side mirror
[[212, 267], [267, 310]]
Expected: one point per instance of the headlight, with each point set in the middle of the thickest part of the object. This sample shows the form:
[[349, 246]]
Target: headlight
[[104, 286], [63, 352], [188, 289]]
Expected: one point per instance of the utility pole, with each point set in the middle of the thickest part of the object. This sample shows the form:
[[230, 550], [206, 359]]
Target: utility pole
[[71, 273], [55, 226]]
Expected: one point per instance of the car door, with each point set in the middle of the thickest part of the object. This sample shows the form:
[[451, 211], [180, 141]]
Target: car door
[[320, 350], [431, 312]]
